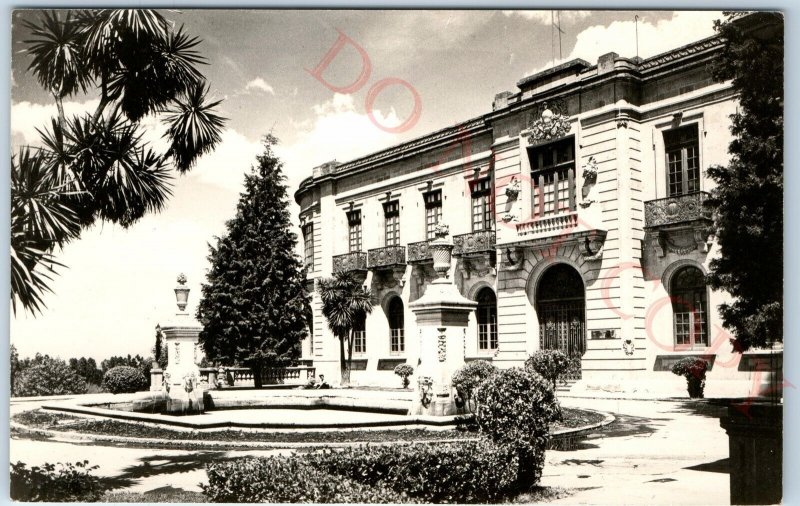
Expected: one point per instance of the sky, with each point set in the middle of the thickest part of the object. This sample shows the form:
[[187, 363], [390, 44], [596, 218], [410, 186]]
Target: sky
[[118, 284]]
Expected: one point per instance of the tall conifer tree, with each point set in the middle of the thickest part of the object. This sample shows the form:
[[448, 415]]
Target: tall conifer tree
[[748, 199], [255, 309]]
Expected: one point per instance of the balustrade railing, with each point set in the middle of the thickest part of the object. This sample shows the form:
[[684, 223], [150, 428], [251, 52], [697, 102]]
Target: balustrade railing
[[474, 242], [678, 209], [244, 376], [388, 256], [549, 225], [348, 262], [419, 252]]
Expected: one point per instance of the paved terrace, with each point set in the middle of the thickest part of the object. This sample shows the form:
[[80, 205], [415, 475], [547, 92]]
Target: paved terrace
[[657, 452]]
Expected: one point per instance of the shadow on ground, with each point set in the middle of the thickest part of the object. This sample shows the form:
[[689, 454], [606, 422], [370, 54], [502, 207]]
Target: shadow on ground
[[623, 426], [161, 464], [718, 466]]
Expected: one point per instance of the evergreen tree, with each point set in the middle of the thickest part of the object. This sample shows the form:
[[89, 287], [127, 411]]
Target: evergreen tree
[[748, 201], [255, 309]]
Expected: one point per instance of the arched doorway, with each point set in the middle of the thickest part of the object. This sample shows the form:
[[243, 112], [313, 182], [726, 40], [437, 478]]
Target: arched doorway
[[486, 313], [397, 340], [561, 308]]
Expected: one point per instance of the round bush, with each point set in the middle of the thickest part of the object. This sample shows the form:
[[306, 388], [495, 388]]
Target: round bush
[[404, 371], [467, 378], [549, 363], [694, 370], [124, 380], [48, 376], [516, 408]]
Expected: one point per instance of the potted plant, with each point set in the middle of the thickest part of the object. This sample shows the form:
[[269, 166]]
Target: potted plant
[[694, 370], [404, 371]]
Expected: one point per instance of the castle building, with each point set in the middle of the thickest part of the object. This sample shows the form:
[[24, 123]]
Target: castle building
[[576, 210]]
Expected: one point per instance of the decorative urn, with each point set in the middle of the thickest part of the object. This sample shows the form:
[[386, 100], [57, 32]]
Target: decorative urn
[[182, 292]]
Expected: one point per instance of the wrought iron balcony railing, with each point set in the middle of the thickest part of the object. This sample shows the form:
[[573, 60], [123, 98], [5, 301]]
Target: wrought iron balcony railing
[[675, 210], [419, 252], [474, 242], [388, 256], [356, 261]]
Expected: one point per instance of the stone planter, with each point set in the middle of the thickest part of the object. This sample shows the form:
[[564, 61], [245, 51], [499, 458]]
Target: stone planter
[[755, 437]]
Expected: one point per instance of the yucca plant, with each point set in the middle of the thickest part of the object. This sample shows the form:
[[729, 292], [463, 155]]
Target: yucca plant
[[344, 302], [97, 166]]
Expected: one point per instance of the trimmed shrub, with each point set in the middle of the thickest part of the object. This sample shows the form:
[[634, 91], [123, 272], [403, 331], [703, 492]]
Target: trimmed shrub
[[124, 379], [694, 370], [282, 479], [67, 483], [463, 472], [48, 376], [404, 371], [515, 409], [469, 376], [549, 364]]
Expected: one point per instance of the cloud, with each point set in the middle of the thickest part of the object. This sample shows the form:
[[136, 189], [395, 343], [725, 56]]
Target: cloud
[[26, 117], [260, 84], [545, 17], [337, 132], [620, 36], [231, 159]]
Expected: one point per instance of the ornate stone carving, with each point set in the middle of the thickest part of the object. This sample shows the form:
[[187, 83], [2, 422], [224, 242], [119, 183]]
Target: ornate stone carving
[[350, 262], [628, 347], [513, 259], [388, 256], [552, 123], [592, 247], [474, 242], [419, 252], [513, 188], [679, 209], [441, 346], [589, 183]]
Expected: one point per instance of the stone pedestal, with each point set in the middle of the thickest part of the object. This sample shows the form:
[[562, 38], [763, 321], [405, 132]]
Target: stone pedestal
[[755, 442], [442, 316], [181, 378]]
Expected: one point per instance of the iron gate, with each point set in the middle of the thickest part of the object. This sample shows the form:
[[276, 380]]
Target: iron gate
[[562, 327]]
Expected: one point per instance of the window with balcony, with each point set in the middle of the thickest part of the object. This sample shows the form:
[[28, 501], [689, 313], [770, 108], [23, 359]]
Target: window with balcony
[[308, 244], [433, 212], [487, 320], [391, 213], [397, 340], [553, 177], [689, 308], [482, 218], [354, 230], [360, 335], [683, 160]]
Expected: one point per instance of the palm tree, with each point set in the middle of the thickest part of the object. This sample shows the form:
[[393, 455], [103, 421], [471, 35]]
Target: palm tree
[[96, 166], [344, 302]]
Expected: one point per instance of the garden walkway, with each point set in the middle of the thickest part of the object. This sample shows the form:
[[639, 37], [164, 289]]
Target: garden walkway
[[655, 453]]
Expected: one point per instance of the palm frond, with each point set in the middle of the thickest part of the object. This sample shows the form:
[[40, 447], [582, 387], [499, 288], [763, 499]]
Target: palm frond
[[344, 301], [55, 48], [39, 221], [193, 128], [37, 209]]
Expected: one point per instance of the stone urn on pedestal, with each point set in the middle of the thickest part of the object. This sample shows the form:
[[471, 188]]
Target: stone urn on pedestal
[[442, 315], [182, 379]]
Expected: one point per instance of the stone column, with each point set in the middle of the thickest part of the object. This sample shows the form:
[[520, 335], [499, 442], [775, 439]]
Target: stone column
[[442, 315], [182, 379]]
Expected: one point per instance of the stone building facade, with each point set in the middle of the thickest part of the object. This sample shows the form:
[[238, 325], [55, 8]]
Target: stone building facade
[[576, 209]]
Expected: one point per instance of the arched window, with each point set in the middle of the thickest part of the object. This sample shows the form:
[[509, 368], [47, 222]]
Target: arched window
[[487, 319], [397, 339], [689, 308]]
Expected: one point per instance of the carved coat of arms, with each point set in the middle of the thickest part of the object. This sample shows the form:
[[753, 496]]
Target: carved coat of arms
[[552, 123]]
